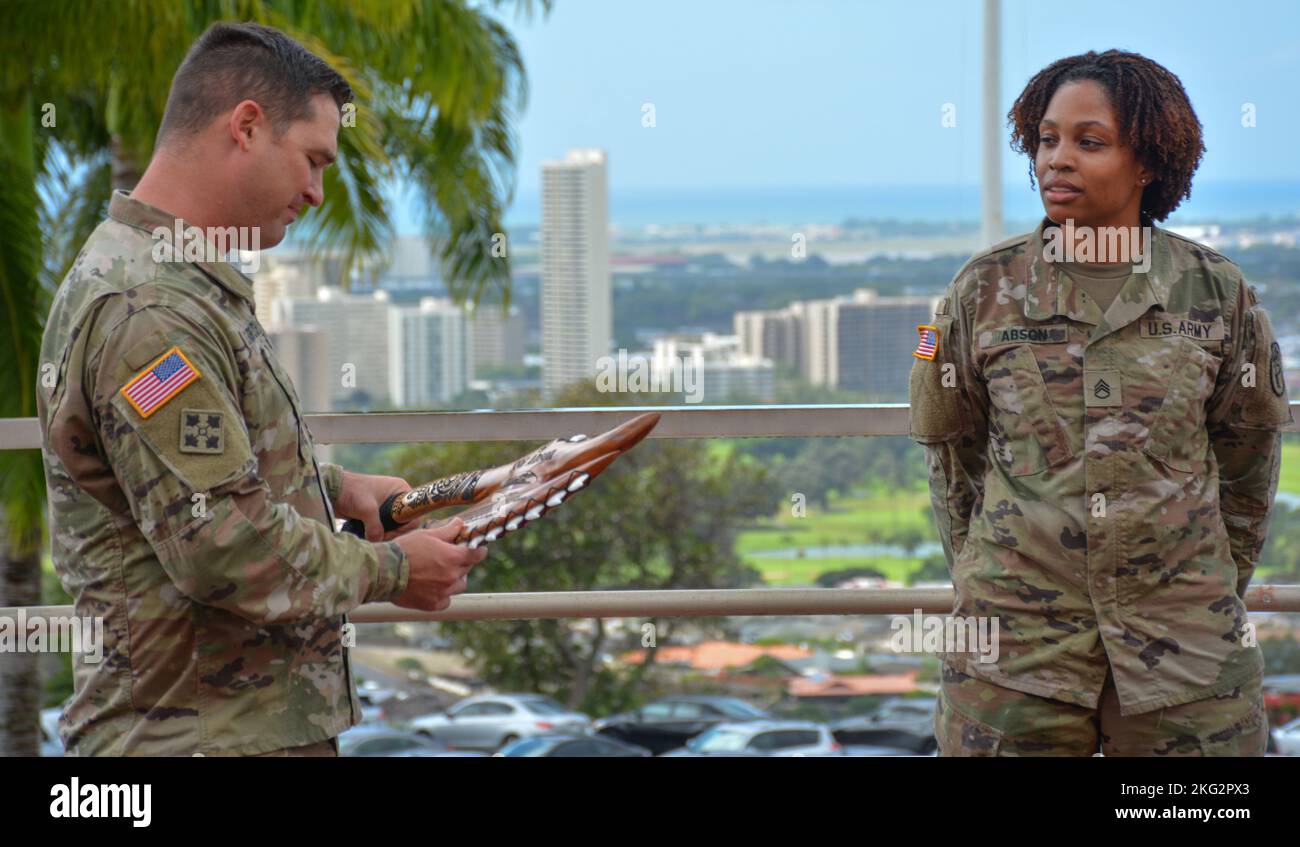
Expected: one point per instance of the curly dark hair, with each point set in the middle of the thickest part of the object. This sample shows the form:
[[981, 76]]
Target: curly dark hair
[[1155, 118]]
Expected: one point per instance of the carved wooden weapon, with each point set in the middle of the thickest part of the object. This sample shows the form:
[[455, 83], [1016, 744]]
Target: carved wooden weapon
[[504, 498]]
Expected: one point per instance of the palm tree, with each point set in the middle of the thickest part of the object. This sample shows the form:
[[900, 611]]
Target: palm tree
[[82, 90]]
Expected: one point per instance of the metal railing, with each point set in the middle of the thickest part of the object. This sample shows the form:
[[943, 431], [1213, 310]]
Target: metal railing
[[873, 419], [719, 602], [539, 424]]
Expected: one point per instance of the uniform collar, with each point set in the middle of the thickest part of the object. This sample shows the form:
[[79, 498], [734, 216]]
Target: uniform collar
[[1051, 292], [142, 216]]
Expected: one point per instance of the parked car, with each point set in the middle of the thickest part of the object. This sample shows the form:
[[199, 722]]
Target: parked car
[[375, 694], [51, 741], [571, 746], [871, 751], [1286, 738], [668, 723], [375, 741], [490, 721], [763, 738], [903, 722]]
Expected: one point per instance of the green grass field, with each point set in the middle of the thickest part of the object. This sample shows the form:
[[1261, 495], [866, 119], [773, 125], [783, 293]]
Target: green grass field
[[781, 572], [880, 518], [1289, 478], [849, 520]]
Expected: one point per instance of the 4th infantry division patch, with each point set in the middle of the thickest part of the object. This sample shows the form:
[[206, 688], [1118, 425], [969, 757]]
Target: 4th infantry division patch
[[928, 346], [155, 385], [201, 431]]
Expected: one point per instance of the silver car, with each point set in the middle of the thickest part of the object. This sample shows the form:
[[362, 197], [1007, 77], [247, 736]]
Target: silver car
[[762, 738], [490, 721], [375, 741]]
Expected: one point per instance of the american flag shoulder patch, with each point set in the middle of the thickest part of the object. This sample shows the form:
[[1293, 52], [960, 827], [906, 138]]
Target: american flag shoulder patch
[[164, 379], [928, 345]]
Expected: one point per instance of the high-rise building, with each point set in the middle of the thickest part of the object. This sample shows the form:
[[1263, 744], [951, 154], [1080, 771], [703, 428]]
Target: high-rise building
[[775, 335], [878, 359], [576, 315], [498, 339], [411, 266], [302, 352], [861, 342], [723, 371], [429, 352], [356, 340], [820, 336], [280, 280]]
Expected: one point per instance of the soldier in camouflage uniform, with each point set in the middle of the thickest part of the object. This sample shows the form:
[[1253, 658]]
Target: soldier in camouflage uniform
[[187, 508], [1102, 477]]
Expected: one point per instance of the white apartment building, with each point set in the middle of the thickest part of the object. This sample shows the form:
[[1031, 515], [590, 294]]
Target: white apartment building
[[429, 348], [301, 350], [498, 340], [356, 339], [576, 316], [725, 371]]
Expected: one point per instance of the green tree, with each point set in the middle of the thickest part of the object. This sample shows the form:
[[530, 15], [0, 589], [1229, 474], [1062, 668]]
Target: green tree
[[933, 569], [22, 487], [82, 90], [664, 516]]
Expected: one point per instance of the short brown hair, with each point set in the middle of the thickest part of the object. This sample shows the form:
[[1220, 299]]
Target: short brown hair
[[1155, 116], [232, 62]]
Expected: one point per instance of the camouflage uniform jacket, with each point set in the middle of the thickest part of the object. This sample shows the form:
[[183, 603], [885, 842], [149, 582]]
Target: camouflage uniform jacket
[[196, 522], [1102, 482]]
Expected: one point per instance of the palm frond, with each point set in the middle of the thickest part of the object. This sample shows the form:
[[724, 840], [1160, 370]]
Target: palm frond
[[22, 481]]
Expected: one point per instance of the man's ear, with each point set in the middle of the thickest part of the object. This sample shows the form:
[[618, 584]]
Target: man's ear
[[246, 118]]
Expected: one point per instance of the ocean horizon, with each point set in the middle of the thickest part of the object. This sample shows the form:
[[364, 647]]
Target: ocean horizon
[[638, 207], [1210, 202]]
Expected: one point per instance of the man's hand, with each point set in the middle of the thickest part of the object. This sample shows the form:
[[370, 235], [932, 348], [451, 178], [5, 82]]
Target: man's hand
[[360, 496], [438, 568]]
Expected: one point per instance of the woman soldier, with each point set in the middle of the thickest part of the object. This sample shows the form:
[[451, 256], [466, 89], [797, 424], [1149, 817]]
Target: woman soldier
[[1101, 427]]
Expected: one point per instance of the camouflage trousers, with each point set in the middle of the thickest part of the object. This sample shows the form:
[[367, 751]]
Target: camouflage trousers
[[977, 718], [329, 747]]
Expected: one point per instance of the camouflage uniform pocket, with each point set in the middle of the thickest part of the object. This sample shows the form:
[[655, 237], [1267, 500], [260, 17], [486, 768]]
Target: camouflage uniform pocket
[[958, 734], [1247, 737], [1177, 435], [1026, 434], [1231, 724]]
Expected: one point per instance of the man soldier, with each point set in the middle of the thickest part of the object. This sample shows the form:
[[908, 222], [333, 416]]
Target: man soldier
[[186, 506]]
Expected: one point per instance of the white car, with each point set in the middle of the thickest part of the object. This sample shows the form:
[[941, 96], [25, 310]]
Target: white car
[[1287, 738], [490, 721], [762, 738]]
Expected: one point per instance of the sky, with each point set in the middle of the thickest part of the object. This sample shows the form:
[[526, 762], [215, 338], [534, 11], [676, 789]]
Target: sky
[[765, 94]]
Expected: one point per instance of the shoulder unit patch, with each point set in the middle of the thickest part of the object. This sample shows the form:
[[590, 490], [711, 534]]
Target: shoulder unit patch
[[201, 431]]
